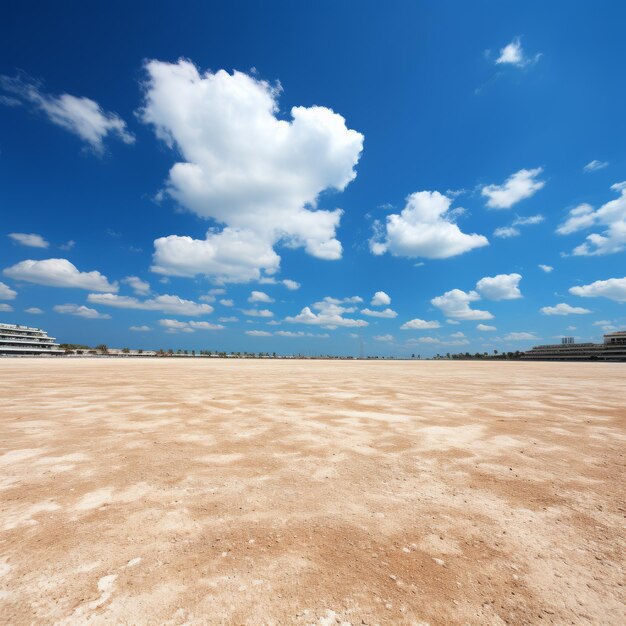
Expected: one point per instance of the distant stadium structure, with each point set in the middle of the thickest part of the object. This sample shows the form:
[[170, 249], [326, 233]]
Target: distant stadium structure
[[612, 349], [16, 340]]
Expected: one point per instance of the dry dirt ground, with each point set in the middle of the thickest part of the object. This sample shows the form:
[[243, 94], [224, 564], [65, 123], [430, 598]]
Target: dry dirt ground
[[163, 491]]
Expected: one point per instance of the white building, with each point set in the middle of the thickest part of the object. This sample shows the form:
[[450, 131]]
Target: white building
[[16, 340]]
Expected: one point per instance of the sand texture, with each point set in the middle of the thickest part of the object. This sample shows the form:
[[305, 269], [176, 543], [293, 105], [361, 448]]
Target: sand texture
[[165, 491]]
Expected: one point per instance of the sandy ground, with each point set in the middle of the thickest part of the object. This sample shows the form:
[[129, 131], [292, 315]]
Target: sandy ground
[[311, 492]]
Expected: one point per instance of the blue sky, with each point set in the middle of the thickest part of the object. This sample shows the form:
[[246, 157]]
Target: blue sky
[[164, 170]]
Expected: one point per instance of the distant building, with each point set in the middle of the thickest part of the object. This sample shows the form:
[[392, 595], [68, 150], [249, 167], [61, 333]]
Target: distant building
[[16, 340], [613, 349]]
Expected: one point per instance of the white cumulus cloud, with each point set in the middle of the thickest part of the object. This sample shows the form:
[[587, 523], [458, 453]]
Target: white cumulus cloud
[[81, 116], [330, 313], [5, 308], [564, 309], [257, 312], [613, 289], [59, 273], [517, 187], [232, 255], [386, 338], [6, 293], [485, 328], [513, 54], [424, 228], [140, 329], [546, 268], [500, 287], [254, 173], [387, 313], [455, 304], [176, 326], [418, 324], [258, 333], [380, 298], [81, 311], [163, 303], [259, 296], [31, 240], [610, 216], [506, 232], [140, 287], [520, 336]]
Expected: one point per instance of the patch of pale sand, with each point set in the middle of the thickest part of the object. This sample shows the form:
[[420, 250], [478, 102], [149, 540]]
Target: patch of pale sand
[[106, 587], [442, 437], [220, 459], [200, 438], [134, 562], [76, 457], [379, 416], [30, 424], [17, 456], [94, 499], [5, 567], [25, 516], [84, 568], [7, 482], [505, 441], [59, 469], [172, 521], [437, 545], [107, 495], [134, 492]]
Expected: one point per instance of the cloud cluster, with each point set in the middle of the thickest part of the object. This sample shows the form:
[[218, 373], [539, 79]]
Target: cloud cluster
[[176, 326], [455, 304], [244, 167], [286, 333], [424, 228], [81, 116], [330, 313], [59, 273], [517, 187], [163, 303], [611, 216]]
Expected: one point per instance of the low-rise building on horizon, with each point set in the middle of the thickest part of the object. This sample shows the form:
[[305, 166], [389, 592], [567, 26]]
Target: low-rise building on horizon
[[612, 349], [17, 340]]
